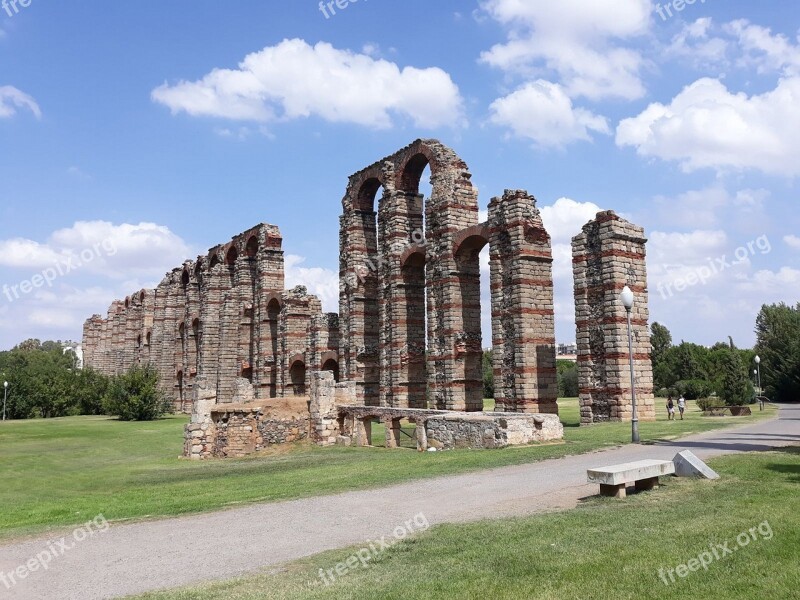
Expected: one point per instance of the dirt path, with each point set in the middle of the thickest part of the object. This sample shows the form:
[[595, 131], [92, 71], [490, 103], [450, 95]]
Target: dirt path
[[129, 559]]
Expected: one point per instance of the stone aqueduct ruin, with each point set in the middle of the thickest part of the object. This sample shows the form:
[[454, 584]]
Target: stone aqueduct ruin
[[257, 365]]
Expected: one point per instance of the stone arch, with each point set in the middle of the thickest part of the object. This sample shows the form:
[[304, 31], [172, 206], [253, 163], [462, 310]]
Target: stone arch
[[232, 255], [251, 249], [297, 375], [330, 362], [376, 346], [367, 193]]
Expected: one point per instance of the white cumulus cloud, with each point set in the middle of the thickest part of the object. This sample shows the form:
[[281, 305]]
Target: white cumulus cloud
[[12, 99], [295, 80], [582, 42], [541, 111], [323, 283], [707, 126]]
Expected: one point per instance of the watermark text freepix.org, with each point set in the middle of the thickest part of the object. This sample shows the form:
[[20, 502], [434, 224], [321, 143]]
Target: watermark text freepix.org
[[55, 549], [60, 268], [328, 7], [701, 275], [715, 552], [374, 549], [665, 12], [12, 6]]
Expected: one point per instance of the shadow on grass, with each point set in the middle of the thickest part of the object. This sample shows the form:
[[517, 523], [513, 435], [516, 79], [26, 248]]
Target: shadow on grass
[[792, 470]]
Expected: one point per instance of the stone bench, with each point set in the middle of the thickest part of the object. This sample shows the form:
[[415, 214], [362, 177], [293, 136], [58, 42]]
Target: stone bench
[[643, 474]]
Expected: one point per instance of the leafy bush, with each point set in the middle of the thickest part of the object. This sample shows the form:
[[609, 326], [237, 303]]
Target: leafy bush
[[711, 402], [135, 396]]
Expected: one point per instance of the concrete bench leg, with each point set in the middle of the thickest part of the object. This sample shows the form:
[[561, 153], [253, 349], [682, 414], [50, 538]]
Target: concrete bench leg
[[647, 484], [614, 491]]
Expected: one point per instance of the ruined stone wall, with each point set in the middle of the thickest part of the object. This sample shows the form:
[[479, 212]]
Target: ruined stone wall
[[608, 255], [223, 317]]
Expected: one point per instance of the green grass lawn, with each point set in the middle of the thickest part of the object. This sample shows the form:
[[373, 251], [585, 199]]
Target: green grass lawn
[[61, 472], [603, 549]]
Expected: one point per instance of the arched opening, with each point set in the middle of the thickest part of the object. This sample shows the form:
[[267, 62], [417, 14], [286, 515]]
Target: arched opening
[[413, 367], [179, 385], [182, 337], [127, 302], [196, 336], [297, 376], [332, 365], [469, 344], [185, 278], [231, 256], [273, 315], [215, 260], [142, 296], [251, 250], [363, 364], [148, 337]]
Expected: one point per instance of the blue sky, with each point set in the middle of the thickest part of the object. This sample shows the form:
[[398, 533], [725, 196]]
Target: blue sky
[[162, 129]]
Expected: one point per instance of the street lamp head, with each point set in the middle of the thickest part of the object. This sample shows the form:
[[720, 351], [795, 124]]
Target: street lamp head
[[5, 384], [758, 359], [626, 297]]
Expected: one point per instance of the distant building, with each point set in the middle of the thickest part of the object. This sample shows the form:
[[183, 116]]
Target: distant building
[[77, 349], [567, 349]]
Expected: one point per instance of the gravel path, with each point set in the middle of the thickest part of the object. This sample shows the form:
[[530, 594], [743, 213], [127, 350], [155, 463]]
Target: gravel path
[[134, 558]]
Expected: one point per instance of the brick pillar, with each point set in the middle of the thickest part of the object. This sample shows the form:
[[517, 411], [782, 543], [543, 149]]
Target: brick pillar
[[523, 325], [299, 307], [270, 284], [402, 301], [454, 340], [230, 318], [358, 303], [607, 255]]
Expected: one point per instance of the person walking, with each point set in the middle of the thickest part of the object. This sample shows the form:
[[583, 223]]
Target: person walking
[[681, 405], [670, 409]]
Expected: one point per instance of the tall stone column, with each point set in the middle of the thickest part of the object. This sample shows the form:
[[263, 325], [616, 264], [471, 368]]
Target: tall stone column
[[608, 255], [358, 304], [453, 288], [523, 323]]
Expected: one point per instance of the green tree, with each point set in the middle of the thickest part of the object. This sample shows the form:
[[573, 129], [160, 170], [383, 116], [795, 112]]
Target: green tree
[[661, 341], [135, 396], [778, 345], [735, 389], [488, 375], [567, 379]]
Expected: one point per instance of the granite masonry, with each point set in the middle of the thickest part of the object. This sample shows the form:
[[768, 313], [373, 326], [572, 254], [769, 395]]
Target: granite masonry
[[608, 255], [257, 365]]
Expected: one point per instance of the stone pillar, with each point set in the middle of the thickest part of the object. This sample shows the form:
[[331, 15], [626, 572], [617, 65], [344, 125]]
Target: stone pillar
[[453, 291], [324, 416], [358, 302], [402, 300], [607, 255], [270, 284], [523, 323], [298, 309]]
